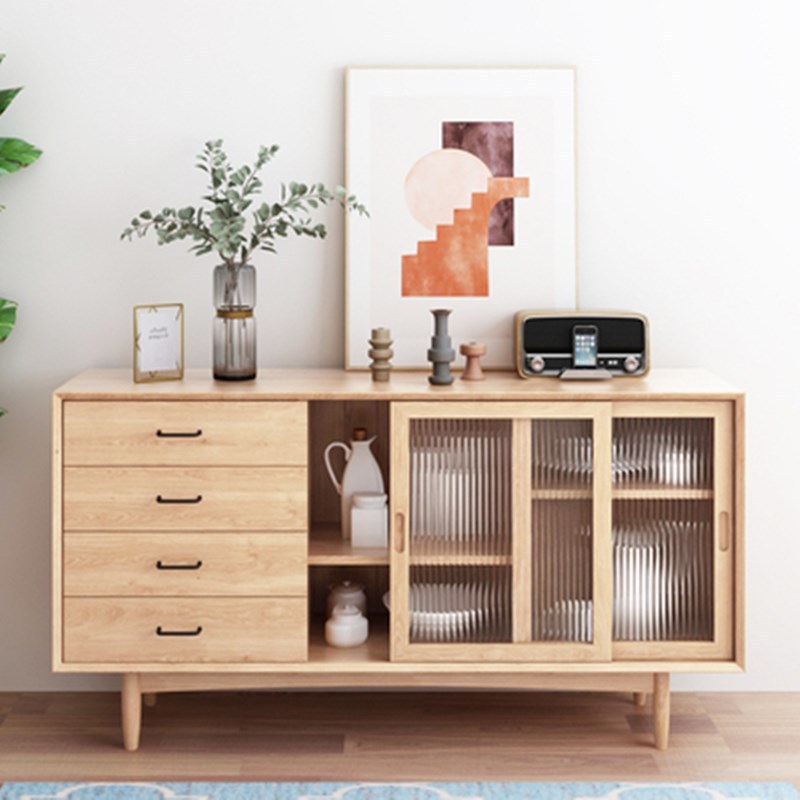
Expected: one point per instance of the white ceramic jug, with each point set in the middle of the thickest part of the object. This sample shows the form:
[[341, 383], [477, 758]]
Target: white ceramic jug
[[362, 473]]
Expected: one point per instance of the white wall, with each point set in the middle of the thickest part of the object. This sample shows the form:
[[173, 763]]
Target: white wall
[[689, 134]]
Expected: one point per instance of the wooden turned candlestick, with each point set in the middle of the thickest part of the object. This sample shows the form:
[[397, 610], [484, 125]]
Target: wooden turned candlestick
[[472, 371], [381, 352]]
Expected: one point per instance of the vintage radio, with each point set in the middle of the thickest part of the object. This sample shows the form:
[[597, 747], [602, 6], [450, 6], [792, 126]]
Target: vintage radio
[[581, 345]]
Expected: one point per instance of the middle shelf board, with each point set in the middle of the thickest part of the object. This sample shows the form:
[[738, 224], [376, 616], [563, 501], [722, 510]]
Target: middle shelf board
[[327, 548], [627, 493]]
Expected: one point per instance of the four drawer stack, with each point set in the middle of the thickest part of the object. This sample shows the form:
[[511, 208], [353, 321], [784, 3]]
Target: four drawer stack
[[185, 532]]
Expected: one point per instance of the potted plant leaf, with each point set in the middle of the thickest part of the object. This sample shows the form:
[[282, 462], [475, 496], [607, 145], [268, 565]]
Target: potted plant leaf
[[14, 155], [234, 226]]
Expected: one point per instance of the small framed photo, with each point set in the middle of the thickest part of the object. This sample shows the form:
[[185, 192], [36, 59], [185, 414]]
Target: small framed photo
[[158, 342]]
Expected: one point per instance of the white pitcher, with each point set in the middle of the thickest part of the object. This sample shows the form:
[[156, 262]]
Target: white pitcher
[[362, 473]]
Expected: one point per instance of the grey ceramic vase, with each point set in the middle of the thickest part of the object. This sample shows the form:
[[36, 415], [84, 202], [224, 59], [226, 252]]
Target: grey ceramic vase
[[441, 353]]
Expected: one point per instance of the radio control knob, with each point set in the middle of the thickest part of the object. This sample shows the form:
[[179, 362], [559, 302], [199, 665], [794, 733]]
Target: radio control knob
[[631, 364], [536, 363]]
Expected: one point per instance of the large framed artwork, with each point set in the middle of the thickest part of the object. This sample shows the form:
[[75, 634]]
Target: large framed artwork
[[469, 178]]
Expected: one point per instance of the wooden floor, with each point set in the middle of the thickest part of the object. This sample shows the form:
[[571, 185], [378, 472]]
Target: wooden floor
[[456, 736]]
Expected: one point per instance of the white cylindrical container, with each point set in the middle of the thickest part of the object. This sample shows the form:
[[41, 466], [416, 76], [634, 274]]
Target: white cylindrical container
[[347, 593], [369, 520], [347, 627]]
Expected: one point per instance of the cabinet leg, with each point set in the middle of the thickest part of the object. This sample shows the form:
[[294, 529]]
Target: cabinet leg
[[131, 710], [640, 699], [661, 709], [149, 699]]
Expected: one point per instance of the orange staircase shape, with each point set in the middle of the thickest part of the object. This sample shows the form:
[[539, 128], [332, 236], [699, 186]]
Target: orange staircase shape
[[456, 263]]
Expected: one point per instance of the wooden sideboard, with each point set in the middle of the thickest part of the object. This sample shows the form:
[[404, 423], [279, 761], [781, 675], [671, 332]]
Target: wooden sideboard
[[543, 534]]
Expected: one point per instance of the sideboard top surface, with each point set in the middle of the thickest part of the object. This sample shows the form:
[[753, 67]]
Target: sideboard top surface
[[333, 384]]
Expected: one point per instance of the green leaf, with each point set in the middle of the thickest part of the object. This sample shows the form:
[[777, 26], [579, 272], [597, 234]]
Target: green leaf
[[8, 316], [16, 154], [6, 96]]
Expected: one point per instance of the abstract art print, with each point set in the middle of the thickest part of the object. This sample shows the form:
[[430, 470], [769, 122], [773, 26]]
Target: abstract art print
[[469, 177]]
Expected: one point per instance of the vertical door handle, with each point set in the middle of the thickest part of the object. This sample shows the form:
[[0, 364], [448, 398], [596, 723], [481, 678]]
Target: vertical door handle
[[724, 531], [399, 532]]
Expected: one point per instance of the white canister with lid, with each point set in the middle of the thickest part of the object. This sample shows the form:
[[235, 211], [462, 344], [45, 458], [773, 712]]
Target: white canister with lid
[[369, 520], [347, 627], [347, 593]]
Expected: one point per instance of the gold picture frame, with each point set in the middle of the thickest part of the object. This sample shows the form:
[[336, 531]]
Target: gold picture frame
[[164, 333]]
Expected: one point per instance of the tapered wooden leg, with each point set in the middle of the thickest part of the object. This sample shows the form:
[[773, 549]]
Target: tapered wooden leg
[[640, 698], [149, 699], [661, 709], [131, 710]]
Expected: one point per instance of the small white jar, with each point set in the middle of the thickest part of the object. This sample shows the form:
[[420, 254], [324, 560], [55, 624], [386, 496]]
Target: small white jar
[[347, 627], [347, 593], [369, 520]]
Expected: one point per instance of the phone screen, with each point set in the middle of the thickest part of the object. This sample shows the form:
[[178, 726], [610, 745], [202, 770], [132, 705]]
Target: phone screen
[[584, 346]]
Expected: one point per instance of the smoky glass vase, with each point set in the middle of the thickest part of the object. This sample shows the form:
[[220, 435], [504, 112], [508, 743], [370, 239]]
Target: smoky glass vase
[[234, 325]]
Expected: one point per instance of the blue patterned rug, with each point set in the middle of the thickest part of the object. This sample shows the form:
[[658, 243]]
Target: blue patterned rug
[[398, 791]]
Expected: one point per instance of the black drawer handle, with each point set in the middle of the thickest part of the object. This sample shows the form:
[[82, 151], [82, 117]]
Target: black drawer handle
[[162, 565], [184, 500], [161, 632], [176, 435]]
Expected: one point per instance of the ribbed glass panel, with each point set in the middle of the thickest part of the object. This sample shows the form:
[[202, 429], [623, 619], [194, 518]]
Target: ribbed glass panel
[[562, 454], [663, 570], [663, 452], [460, 482], [460, 604], [562, 571]]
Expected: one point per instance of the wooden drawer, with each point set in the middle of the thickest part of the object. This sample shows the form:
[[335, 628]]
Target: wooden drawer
[[210, 498], [199, 433], [185, 564], [203, 630]]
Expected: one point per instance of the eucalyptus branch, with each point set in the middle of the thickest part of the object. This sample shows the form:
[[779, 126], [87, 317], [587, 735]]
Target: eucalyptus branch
[[220, 227]]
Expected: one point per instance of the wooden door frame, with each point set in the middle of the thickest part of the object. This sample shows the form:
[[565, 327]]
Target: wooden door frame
[[724, 525], [521, 648]]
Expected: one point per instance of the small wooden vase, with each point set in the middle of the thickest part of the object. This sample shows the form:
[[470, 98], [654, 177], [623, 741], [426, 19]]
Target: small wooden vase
[[472, 371], [381, 353]]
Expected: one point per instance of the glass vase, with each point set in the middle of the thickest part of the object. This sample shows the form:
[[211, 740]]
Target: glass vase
[[234, 325]]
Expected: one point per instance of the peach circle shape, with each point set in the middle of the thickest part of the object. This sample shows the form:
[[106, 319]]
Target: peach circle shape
[[443, 181]]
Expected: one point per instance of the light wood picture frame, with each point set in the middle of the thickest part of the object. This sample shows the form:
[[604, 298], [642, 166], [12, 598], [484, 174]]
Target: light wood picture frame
[[469, 175], [158, 342]]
